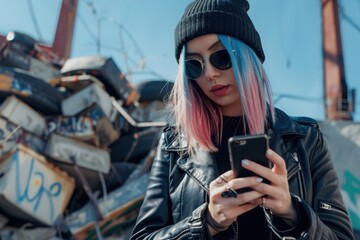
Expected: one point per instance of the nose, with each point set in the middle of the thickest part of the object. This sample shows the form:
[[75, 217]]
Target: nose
[[209, 71]]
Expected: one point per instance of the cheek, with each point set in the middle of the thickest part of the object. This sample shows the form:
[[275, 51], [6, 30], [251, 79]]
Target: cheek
[[230, 76], [203, 84]]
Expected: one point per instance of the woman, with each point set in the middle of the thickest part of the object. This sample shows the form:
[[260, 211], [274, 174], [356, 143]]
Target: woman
[[222, 90]]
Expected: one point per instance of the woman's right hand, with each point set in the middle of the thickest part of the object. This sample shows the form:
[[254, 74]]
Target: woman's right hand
[[223, 211]]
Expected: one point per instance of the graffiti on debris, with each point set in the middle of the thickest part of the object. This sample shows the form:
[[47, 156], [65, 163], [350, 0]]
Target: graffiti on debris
[[32, 188], [12, 134], [76, 125], [21, 87], [35, 191], [351, 194]]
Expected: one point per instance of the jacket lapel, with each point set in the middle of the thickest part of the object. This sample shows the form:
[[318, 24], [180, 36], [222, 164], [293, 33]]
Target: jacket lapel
[[201, 168]]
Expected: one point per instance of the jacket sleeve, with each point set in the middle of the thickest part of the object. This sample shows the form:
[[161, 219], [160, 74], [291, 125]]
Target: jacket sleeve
[[155, 219], [327, 218]]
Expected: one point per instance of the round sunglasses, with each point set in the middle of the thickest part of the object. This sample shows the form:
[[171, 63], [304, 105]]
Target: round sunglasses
[[220, 60]]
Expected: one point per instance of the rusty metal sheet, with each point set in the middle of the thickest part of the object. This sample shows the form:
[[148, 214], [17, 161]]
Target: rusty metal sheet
[[20, 113], [32, 189], [18, 59], [87, 156], [85, 98], [12, 134], [14, 233], [106, 70], [5, 82], [105, 129], [118, 208], [44, 71]]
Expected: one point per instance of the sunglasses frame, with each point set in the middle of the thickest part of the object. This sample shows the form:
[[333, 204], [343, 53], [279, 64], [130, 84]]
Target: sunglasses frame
[[202, 63]]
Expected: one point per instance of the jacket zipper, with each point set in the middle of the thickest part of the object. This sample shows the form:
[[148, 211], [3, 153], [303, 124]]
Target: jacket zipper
[[236, 230], [301, 188], [327, 208], [294, 170]]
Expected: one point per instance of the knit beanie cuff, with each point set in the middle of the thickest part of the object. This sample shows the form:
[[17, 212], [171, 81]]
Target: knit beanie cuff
[[226, 17]]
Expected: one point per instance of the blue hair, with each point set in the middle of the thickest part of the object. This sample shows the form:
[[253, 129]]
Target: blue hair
[[250, 75]]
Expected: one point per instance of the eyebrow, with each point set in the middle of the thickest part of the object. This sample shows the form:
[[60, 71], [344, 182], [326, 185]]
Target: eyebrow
[[212, 46]]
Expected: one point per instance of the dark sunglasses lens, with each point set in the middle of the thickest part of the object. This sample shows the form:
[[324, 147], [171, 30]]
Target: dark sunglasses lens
[[221, 60], [193, 68]]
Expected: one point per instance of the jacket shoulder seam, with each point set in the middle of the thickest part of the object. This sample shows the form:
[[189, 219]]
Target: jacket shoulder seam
[[307, 121]]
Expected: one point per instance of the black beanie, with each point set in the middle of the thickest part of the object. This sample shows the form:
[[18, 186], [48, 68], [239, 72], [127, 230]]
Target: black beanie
[[228, 17]]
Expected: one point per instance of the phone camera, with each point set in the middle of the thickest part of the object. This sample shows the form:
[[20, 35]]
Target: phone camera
[[240, 142]]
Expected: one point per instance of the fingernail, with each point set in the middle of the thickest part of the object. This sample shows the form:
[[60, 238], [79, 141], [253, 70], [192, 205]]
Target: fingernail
[[245, 162], [269, 152], [259, 179]]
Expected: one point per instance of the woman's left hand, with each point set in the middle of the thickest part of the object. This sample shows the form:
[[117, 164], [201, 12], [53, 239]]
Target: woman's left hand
[[277, 196]]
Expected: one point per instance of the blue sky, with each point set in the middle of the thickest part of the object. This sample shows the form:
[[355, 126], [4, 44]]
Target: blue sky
[[290, 32]]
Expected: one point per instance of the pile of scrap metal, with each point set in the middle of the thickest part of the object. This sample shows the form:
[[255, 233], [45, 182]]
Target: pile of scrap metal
[[77, 143]]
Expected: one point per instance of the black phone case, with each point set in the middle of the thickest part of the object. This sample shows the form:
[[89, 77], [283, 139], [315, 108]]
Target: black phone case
[[251, 147]]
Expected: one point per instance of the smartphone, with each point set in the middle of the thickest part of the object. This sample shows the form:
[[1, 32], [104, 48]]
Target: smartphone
[[251, 147]]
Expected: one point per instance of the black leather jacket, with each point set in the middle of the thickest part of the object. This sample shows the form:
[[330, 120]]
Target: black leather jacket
[[177, 193]]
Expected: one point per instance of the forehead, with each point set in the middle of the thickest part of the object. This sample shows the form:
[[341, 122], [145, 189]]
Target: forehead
[[203, 43]]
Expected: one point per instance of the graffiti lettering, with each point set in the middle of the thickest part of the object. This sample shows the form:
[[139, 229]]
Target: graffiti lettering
[[351, 194], [36, 192], [76, 126]]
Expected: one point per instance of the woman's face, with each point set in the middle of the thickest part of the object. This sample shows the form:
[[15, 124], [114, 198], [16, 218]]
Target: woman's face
[[218, 85]]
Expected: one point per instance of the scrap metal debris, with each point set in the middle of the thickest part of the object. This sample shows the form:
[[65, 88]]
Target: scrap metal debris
[[76, 147]]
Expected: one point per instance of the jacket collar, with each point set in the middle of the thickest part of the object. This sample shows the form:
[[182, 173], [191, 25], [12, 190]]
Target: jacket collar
[[176, 144], [284, 126], [202, 168]]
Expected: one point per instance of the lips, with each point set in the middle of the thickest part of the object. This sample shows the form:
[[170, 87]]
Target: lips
[[219, 90]]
